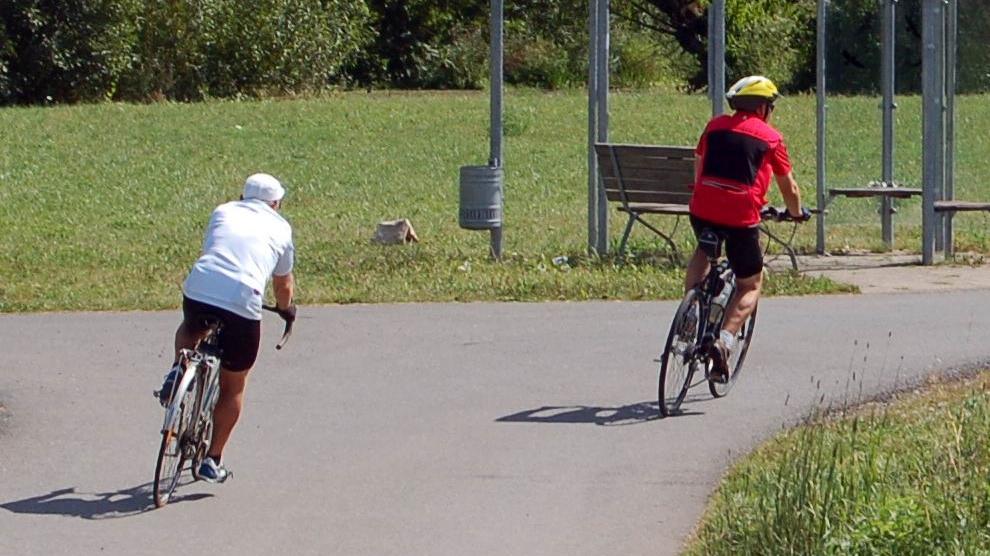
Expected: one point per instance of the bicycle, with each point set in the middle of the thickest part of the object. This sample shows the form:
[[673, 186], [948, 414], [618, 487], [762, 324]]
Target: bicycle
[[188, 427], [698, 321]]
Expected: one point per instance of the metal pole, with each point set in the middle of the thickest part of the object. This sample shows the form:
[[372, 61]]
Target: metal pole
[[951, 53], [603, 85], [592, 126], [887, 76], [933, 138], [940, 151], [820, 127], [716, 55], [495, 68]]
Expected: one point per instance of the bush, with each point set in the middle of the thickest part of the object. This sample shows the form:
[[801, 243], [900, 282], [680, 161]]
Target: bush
[[460, 64], [539, 62], [775, 38], [167, 53], [73, 50], [640, 61], [6, 55], [64, 50], [279, 45]]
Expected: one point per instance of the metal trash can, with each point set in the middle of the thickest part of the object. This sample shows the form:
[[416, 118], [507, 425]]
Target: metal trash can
[[481, 197]]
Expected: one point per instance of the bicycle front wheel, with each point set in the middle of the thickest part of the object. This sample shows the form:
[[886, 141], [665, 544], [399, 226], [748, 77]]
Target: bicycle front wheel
[[172, 453], [677, 360], [737, 357]]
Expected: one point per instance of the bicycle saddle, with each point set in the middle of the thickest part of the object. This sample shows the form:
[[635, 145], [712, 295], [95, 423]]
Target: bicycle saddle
[[711, 243], [210, 321]]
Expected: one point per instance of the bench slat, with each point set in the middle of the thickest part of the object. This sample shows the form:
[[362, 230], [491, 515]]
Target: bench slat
[[958, 206], [672, 181], [649, 197], [651, 151], [638, 164], [898, 192], [656, 208]]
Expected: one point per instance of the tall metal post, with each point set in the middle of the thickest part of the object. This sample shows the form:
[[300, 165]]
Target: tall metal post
[[820, 127], [495, 68], [603, 85], [933, 120], [592, 126], [716, 55], [887, 77], [951, 53]]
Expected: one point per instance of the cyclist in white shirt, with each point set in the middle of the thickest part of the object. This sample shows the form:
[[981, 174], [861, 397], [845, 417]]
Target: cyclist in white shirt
[[246, 242]]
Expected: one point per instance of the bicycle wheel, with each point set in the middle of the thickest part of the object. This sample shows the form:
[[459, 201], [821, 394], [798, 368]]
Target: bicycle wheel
[[172, 453], [677, 360], [743, 338]]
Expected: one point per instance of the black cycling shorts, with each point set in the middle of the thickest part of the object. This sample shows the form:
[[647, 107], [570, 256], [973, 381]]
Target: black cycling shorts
[[742, 246], [240, 338]]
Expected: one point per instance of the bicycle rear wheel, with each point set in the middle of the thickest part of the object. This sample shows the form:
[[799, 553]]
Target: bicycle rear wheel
[[172, 453], [677, 360], [737, 358]]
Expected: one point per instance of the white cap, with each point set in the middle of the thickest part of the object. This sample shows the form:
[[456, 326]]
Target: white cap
[[263, 187]]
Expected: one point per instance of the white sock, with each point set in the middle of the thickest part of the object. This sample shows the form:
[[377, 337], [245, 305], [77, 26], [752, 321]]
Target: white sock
[[728, 338]]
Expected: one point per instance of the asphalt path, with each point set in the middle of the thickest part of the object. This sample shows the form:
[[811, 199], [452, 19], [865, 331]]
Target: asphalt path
[[433, 429]]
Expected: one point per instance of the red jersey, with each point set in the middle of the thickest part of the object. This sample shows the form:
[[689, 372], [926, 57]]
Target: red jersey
[[740, 153]]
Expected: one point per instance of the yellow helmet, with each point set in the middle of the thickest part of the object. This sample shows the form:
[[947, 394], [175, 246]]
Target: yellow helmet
[[755, 87]]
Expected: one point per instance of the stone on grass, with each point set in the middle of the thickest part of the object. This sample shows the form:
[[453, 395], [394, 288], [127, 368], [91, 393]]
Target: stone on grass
[[395, 232]]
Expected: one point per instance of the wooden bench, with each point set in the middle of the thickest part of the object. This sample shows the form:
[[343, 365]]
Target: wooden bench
[[650, 179], [879, 190], [960, 206], [646, 179]]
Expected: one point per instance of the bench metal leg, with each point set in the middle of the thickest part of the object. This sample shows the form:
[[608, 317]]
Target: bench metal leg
[[625, 234], [788, 248], [670, 242]]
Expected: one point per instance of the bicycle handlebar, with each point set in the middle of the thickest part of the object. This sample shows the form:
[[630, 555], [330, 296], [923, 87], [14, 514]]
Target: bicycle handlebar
[[781, 214], [288, 325]]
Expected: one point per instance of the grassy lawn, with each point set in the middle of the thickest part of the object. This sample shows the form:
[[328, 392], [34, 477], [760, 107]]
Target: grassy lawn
[[904, 477], [103, 206]]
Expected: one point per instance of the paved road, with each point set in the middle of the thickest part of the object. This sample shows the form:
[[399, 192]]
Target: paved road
[[432, 429]]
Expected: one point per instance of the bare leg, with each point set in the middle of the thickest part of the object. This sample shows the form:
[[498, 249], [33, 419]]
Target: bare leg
[[228, 409], [696, 270], [743, 302], [185, 339]]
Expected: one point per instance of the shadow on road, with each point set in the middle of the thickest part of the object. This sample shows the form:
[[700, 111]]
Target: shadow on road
[[631, 414], [102, 505]]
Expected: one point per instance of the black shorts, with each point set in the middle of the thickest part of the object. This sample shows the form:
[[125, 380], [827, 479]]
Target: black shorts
[[742, 246], [240, 338]]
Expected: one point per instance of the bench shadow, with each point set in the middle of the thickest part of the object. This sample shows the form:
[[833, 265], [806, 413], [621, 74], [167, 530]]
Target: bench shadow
[[97, 505], [605, 416]]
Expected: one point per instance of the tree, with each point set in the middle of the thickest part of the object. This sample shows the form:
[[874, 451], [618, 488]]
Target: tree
[[685, 20]]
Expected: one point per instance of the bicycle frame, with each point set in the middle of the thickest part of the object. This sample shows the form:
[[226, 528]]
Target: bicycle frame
[[202, 363], [719, 276]]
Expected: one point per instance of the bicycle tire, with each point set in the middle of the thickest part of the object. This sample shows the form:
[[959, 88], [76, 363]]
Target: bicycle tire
[[743, 339], [204, 434], [677, 359], [172, 451]]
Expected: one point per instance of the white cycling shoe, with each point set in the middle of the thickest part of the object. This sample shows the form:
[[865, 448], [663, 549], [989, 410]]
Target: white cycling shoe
[[212, 472]]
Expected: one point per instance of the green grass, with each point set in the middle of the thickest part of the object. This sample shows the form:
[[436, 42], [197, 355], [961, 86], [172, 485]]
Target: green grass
[[103, 206], [898, 478]]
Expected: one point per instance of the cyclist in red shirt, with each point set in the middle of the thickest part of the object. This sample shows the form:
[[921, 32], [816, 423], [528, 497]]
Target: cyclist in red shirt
[[734, 161]]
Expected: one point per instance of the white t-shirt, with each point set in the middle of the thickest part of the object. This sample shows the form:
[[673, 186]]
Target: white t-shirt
[[246, 243]]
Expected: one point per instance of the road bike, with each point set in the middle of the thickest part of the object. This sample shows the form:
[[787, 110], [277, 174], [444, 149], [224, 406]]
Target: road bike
[[188, 427], [698, 321]]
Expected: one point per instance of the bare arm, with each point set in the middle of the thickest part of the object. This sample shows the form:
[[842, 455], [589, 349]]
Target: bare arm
[[284, 287], [792, 195]]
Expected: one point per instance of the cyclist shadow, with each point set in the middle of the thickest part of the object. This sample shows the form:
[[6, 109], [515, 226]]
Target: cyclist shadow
[[98, 505], [631, 414]]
